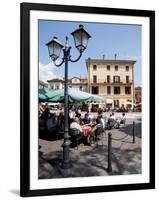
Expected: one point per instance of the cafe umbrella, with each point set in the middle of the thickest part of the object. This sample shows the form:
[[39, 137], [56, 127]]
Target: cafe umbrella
[[46, 95]]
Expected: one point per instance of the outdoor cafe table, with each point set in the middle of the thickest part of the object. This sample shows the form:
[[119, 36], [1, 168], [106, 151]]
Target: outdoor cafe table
[[86, 131]]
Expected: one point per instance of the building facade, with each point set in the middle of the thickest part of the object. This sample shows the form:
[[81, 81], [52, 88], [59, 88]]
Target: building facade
[[42, 85], [78, 83], [113, 80], [55, 84], [138, 94]]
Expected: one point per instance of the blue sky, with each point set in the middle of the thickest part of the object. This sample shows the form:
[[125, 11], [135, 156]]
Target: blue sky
[[107, 39]]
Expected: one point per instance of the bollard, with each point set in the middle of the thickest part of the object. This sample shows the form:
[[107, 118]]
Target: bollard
[[133, 133], [109, 152]]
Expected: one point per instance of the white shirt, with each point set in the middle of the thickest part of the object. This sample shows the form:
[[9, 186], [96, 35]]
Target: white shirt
[[113, 117], [76, 125]]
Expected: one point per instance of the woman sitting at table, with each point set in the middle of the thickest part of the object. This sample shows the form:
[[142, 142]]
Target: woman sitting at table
[[76, 124], [99, 125], [78, 115], [92, 130]]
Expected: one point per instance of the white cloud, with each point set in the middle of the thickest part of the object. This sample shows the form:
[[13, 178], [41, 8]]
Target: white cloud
[[46, 72]]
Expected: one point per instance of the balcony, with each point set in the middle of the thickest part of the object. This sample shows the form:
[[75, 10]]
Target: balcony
[[104, 82]]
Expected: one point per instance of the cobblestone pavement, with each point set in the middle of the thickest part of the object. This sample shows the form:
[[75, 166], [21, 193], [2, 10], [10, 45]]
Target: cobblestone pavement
[[93, 160]]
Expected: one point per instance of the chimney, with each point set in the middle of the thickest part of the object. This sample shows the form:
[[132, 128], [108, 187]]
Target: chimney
[[115, 56], [103, 57]]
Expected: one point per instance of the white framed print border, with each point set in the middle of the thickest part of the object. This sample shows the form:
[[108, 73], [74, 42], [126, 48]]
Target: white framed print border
[[30, 185]]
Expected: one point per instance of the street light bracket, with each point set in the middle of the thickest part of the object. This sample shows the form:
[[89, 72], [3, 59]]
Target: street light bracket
[[75, 59], [58, 65]]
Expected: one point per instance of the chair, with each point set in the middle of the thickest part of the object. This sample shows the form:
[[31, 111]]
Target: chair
[[75, 136], [99, 131], [59, 134]]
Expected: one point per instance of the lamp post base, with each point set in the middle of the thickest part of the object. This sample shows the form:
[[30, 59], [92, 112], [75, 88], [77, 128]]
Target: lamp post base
[[65, 172], [66, 166], [109, 169]]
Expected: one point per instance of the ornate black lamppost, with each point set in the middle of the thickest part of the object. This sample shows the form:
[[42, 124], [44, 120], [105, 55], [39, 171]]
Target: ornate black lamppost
[[81, 37]]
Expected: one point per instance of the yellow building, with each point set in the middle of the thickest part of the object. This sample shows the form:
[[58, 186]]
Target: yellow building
[[113, 80]]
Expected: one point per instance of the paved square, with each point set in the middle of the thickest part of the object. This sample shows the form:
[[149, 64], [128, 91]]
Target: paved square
[[93, 160]]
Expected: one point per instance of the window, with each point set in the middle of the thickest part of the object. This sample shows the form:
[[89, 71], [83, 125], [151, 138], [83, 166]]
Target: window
[[116, 79], [94, 67], [108, 79], [52, 87], [127, 79], [127, 68], [95, 90], [116, 90], [108, 90], [94, 79], [108, 67], [127, 90], [116, 67], [116, 103]]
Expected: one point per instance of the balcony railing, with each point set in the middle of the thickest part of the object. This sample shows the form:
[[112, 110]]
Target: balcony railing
[[103, 81]]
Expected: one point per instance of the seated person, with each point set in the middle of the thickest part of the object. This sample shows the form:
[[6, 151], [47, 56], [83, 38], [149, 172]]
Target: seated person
[[111, 118], [93, 125], [60, 121], [42, 124], [100, 124], [123, 119], [51, 123], [94, 122], [46, 113], [78, 115], [101, 120], [76, 124], [86, 119]]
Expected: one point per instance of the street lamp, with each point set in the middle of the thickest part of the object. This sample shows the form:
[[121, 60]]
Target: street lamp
[[54, 47], [81, 37]]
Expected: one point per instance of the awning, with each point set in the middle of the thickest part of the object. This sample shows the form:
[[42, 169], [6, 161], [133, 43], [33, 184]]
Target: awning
[[74, 95], [109, 101]]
